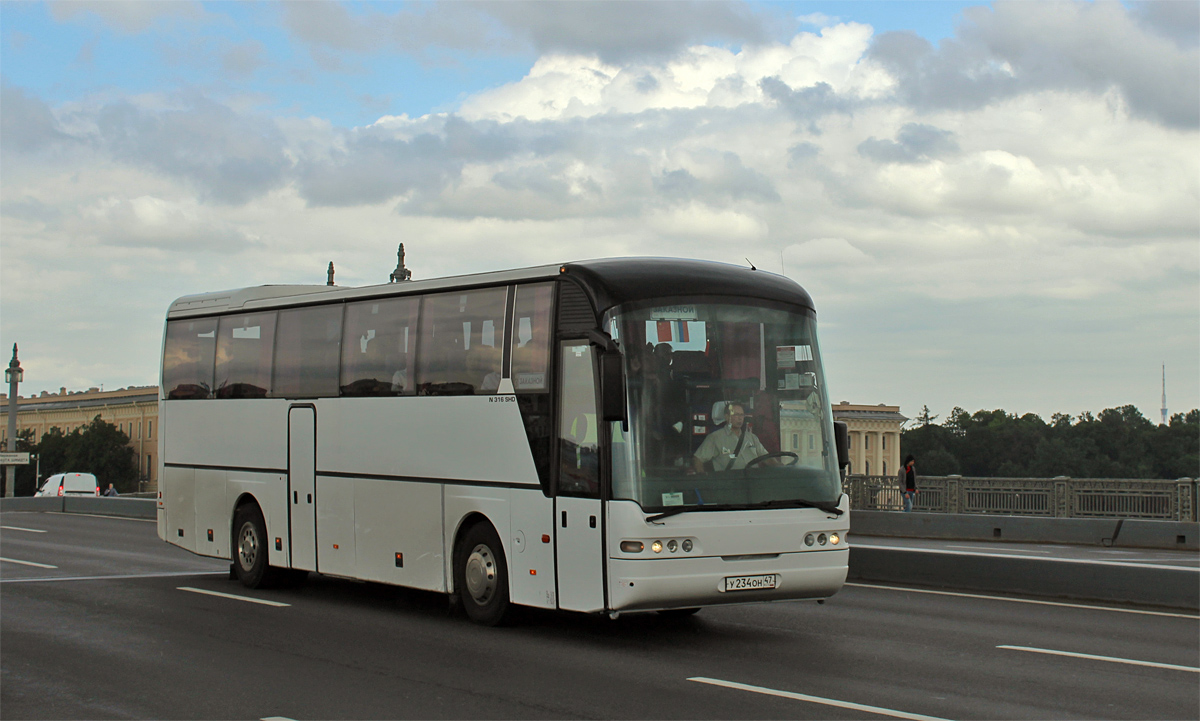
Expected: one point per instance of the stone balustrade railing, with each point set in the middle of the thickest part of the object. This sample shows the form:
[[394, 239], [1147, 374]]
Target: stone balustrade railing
[[1060, 497]]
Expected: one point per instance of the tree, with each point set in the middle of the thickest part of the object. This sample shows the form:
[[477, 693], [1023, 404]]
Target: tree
[[924, 418], [1115, 443], [99, 448]]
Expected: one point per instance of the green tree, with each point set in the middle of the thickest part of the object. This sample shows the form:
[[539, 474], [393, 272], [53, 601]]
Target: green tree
[[1115, 443], [99, 448]]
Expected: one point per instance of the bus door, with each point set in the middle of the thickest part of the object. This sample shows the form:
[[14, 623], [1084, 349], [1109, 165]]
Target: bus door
[[302, 486], [578, 521]]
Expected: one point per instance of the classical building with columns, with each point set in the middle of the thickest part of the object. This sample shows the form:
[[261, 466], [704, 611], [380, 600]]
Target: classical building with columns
[[134, 410], [874, 437]]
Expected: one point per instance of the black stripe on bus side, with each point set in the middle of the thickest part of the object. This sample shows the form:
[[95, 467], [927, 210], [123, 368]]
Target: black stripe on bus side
[[366, 476], [442, 481], [244, 469]]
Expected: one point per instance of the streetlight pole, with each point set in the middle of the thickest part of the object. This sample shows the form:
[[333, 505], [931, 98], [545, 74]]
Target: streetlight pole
[[14, 374]]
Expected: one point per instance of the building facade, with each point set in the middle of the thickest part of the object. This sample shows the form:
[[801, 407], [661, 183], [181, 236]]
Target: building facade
[[874, 437], [133, 410]]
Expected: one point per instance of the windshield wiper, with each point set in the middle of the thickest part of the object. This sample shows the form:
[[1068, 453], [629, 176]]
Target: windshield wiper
[[826, 506]]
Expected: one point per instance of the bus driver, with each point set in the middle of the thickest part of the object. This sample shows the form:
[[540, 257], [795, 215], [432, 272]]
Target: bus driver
[[730, 447]]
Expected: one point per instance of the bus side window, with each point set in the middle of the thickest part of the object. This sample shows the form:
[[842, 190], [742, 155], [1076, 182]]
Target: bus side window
[[306, 352], [188, 358], [530, 339], [244, 345], [462, 334], [378, 343]]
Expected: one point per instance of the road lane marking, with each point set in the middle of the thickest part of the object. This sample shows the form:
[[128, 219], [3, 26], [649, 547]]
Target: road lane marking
[[276, 718], [27, 563], [1126, 564], [1010, 550], [114, 577], [816, 699], [230, 595], [1025, 600], [18, 528], [1111, 659]]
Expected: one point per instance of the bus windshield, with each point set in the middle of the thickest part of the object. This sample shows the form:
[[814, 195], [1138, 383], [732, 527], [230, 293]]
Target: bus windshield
[[727, 408]]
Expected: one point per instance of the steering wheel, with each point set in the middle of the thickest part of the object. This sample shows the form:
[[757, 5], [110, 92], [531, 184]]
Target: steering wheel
[[779, 454]]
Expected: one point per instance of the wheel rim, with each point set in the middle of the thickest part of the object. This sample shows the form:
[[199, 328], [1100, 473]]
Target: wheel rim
[[247, 546], [481, 574]]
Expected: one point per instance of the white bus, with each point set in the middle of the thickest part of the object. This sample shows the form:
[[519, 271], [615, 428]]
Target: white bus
[[538, 437]]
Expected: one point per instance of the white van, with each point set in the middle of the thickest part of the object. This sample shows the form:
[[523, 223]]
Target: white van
[[70, 484]]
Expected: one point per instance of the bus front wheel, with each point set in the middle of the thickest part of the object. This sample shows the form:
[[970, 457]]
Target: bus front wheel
[[481, 576]]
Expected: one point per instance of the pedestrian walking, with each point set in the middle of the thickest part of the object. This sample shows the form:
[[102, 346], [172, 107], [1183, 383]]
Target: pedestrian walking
[[908, 480]]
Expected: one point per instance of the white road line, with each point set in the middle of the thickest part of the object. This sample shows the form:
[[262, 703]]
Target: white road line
[[18, 528], [1112, 659], [114, 577], [230, 595], [27, 563], [276, 718], [1025, 600], [1126, 564], [816, 699], [1010, 550]]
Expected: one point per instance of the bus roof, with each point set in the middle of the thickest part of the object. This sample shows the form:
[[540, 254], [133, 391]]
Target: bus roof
[[608, 282]]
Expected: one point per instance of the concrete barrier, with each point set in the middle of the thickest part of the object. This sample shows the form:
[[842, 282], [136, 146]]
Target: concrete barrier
[[1151, 586], [99, 506], [1126, 533]]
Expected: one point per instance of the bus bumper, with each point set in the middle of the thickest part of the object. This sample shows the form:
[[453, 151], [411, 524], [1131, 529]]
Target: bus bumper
[[661, 583]]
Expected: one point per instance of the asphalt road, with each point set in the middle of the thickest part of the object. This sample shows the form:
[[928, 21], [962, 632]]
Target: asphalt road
[[119, 634]]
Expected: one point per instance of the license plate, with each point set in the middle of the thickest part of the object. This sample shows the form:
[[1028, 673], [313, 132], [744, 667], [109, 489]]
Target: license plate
[[749, 583]]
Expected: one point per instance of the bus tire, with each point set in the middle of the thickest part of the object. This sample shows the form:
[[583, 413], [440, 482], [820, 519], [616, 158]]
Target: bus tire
[[481, 576], [250, 547]]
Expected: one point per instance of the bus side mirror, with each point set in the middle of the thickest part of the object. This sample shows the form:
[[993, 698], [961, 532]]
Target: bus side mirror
[[841, 435], [612, 386]]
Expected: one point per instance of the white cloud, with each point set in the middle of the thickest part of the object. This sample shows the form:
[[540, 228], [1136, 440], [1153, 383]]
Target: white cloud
[[1059, 216]]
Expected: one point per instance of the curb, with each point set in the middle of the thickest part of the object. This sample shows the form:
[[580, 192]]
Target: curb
[[1050, 578]]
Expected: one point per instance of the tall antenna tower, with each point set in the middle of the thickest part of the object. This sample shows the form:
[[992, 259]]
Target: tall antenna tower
[[1164, 405]]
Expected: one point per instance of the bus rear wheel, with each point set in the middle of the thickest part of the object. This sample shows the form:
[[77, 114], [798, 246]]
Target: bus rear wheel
[[250, 547], [481, 576]]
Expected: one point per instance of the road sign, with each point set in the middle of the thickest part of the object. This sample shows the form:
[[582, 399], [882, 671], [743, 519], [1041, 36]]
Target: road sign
[[14, 459]]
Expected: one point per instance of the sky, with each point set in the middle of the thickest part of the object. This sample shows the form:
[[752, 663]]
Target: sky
[[993, 205]]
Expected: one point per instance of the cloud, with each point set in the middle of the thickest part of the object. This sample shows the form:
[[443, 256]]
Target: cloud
[[913, 144], [243, 59], [612, 32], [229, 157], [823, 253], [1017, 48], [26, 122], [127, 16]]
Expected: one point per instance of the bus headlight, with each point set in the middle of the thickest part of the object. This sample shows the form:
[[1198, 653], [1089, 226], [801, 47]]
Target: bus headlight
[[821, 539], [687, 545], [656, 546], [671, 545], [632, 546], [809, 539], [835, 539]]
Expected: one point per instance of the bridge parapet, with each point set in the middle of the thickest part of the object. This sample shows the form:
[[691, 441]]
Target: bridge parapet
[[1059, 497]]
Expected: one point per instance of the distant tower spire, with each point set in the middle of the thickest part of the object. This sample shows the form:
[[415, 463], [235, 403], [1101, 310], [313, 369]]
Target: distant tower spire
[[400, 273], [1164, 400], [329, 273]]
